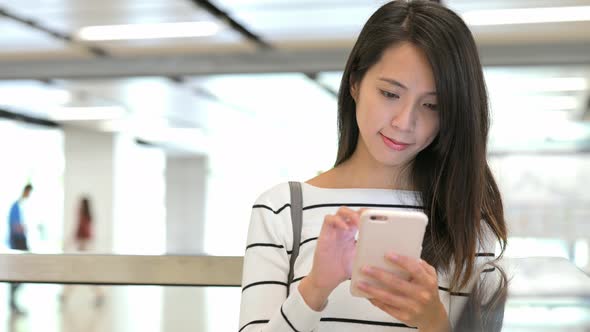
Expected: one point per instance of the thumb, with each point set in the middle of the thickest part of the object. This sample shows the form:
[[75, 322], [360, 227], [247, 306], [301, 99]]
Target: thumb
[[361, 210]]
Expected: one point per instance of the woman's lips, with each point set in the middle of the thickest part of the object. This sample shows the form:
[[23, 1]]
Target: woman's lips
[[393, 144]]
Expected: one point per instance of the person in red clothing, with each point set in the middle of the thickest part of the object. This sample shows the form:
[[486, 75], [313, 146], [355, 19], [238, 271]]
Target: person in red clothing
[[83, 241], [83, 235]]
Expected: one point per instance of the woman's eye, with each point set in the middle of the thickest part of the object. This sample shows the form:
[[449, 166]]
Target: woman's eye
[[431, 106], [388, 94]]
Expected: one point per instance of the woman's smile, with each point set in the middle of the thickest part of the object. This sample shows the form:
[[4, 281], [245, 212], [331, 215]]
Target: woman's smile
[[393, 144]]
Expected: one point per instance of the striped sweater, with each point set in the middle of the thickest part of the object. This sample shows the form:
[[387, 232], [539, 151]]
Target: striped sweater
[[264, 303]]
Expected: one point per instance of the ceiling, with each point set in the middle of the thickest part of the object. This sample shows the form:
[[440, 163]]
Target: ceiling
[[271, 63]]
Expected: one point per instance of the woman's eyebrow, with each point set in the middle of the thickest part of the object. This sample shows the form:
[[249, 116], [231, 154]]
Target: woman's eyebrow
[[399, 84], [393, 82]]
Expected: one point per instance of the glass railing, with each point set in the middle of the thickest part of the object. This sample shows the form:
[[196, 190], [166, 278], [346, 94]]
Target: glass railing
[[546, 294]]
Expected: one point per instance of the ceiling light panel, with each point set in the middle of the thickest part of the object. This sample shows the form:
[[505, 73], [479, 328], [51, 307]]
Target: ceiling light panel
[[149, 31], [539, 85], [71, 16], [301, 20], [535, 108], [566, 81], [467, 5], [526, 15], [32, 97], [87, 113], [145, 97], [270, 96]]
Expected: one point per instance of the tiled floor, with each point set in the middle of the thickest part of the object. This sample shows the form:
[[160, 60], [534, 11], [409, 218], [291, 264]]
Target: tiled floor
[[132, 308]]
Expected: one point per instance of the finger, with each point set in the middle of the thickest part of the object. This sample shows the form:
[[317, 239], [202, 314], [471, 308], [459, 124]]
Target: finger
[[429, 268], [335, 222], [384, 296], [382, 306], [397, 313], [349, 215], [411, 265], [423, 294], [391, 281]]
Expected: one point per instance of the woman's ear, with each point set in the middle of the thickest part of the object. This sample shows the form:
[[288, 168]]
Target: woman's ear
[[354, 89]]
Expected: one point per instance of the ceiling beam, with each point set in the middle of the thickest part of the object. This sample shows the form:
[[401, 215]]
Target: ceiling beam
[[261, 44], [10, 115], [236, 26], [269, 61], [66, 38], [314, 78]]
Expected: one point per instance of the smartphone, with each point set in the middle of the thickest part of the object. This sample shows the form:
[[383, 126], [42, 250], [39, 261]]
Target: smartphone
[[382, 232]]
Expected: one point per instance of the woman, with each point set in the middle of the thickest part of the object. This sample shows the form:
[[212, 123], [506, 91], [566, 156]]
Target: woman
[[413, 126], [83, 241], [83, 236]]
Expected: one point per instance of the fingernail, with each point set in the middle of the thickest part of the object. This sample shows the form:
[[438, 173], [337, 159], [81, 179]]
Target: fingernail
[[393, 257], [367, 269]]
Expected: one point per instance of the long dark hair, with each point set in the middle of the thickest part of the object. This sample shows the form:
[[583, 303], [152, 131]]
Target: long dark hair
[[452, 176], [486, 303]]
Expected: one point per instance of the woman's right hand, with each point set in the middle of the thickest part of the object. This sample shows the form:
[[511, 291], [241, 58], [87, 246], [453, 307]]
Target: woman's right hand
[[332, 262]]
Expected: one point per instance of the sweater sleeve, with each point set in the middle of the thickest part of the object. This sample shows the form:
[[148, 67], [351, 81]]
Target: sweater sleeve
[[264, 303]]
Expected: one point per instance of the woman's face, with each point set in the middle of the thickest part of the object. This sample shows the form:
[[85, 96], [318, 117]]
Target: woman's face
[[396, 107]]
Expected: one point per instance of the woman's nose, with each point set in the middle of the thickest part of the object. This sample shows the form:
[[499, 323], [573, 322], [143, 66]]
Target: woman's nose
[[404, 119]]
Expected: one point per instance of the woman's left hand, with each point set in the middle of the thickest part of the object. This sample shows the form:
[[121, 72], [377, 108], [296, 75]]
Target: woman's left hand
[[415, 302]]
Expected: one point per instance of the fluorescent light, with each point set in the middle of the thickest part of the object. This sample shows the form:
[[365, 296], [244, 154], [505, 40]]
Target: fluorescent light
[[151, 129], [581, 253], [514, 85], [172, 135], [527, 15], [568, 131], [33, 96], [148, 31], [87, 113], [157, 131], [508, 106]]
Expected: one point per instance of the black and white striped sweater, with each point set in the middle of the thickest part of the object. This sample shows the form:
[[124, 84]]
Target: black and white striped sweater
[[264, 303]]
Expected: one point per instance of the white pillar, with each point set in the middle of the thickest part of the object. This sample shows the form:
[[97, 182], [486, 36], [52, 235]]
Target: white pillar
[[139, 198], [185, 228], [185, 204], [89, 170], [125, 183]]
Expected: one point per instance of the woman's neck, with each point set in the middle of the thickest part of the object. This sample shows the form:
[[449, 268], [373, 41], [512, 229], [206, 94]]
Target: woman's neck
[[365, 172], [362, 171]]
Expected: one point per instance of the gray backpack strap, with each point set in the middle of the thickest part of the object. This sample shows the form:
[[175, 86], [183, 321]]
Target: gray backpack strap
[[296, 216]]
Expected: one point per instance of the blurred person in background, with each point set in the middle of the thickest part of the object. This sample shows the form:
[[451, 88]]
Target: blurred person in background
[[83, 236], [83, 241], [17, 239]]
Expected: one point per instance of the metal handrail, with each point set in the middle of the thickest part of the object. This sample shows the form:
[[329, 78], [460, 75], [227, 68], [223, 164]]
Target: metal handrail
[[529, 277], [111, 269]]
